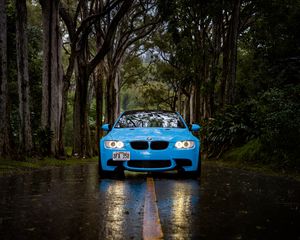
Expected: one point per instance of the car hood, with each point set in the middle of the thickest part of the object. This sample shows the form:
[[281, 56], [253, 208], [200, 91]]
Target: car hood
[[150, 134]]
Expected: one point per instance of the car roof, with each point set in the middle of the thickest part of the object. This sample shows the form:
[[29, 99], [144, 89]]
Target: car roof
[[147, 111]]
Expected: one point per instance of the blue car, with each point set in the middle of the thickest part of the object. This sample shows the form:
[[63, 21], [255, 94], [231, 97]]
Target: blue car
[[150, 141]]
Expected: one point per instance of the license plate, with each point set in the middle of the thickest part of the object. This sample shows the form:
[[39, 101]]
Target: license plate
[[121, 156]]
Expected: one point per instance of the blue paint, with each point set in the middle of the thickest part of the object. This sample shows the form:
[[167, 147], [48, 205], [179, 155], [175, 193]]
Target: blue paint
[[158, 132]]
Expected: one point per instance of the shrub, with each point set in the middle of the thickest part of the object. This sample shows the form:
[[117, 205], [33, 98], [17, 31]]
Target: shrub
[[278, 115], [268, 127], [234, 127], [250, 152]]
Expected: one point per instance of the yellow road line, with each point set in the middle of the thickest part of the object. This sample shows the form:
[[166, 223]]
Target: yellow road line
[[151, 224]]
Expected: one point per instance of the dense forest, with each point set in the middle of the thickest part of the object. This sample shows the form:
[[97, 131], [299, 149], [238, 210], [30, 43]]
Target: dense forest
[[67, 67]]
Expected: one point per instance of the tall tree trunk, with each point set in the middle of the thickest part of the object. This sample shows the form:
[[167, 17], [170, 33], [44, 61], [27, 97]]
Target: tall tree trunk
[[90, 129], [186, 105], [216, 42], [230, 56], [99, 101], [234, 27], [118, 95], [192, 105], [4, 114], [179, 104], [52, 92], [25, 135], [82, 138], [224, 74], [110, 97], [197, 99], [61, 144], [81, 146]]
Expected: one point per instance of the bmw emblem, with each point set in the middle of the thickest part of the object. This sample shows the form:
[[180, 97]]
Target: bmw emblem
[[149, 138]]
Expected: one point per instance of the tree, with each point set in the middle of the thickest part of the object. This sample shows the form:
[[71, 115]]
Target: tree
[[4, 113], [25, 135], [79, 36], [52, 75], [203, 34], [139, 21], [230, 55]]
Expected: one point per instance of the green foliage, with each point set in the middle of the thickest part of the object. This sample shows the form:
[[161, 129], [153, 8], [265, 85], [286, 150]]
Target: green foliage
[[266, 129], [154, 95], [269, 50], [234, 127], [278, 116], [148, 84], [250, 152]]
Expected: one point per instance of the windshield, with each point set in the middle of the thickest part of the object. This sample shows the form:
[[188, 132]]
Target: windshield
[[148, 119]]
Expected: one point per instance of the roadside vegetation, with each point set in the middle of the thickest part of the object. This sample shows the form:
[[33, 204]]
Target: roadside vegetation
[[264, 130], [11, 167]]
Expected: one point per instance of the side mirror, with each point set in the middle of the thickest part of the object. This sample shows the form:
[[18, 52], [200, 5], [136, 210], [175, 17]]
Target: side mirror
[[106, 127], [195, 127]]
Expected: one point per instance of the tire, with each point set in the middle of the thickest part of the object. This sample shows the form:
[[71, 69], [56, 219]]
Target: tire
[[191, 174], [118, 173], [195, 174], [102, 173]]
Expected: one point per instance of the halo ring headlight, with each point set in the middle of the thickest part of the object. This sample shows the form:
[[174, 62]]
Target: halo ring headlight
[[178, 144], [184, 144], [120, 144], [114, 144]]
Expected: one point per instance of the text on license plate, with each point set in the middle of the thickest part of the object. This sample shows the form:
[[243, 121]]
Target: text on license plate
[[121, 156]]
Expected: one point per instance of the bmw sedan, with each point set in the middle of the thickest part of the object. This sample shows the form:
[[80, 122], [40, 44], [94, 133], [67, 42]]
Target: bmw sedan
[[150, 141]]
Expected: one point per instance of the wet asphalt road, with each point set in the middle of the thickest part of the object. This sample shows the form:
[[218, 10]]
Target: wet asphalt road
[[72, 203]]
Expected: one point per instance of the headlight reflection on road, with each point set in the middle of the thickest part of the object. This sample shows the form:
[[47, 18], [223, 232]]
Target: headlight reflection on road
[[115, 208], [182, 209]]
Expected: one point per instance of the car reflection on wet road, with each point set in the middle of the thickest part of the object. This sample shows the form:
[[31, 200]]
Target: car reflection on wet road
[[71, 203]]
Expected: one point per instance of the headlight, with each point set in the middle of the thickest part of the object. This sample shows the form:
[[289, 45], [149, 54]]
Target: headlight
[[184, 144], [114, 144]]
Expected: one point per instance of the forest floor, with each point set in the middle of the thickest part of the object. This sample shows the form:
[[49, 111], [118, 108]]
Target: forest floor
[[13, 167], [255, 167]]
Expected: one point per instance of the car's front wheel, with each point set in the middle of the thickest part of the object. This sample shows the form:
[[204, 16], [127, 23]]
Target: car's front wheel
[[191, 174], [118, 173], [195, 174]]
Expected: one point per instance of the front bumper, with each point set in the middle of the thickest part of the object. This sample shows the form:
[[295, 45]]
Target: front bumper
[[152, 160]]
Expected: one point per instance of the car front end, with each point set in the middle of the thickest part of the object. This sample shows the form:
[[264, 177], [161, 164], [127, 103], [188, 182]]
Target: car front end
[[150, 149]]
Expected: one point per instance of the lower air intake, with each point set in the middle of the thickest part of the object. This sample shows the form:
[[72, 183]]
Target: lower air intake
[[149, 163]]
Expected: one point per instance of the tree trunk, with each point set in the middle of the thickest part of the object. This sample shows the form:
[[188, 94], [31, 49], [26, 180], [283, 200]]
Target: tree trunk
[[215, 61], [117, 96], [52, 92], [192, 105], [61, 144], [25, 135], [4, 114], [234, 26], [99, 101], [197, 100], [179, 105], [82, 147], [230, 57], [110, 97]]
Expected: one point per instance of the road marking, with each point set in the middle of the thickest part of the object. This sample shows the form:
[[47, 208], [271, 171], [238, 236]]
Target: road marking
[[151, 224]]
